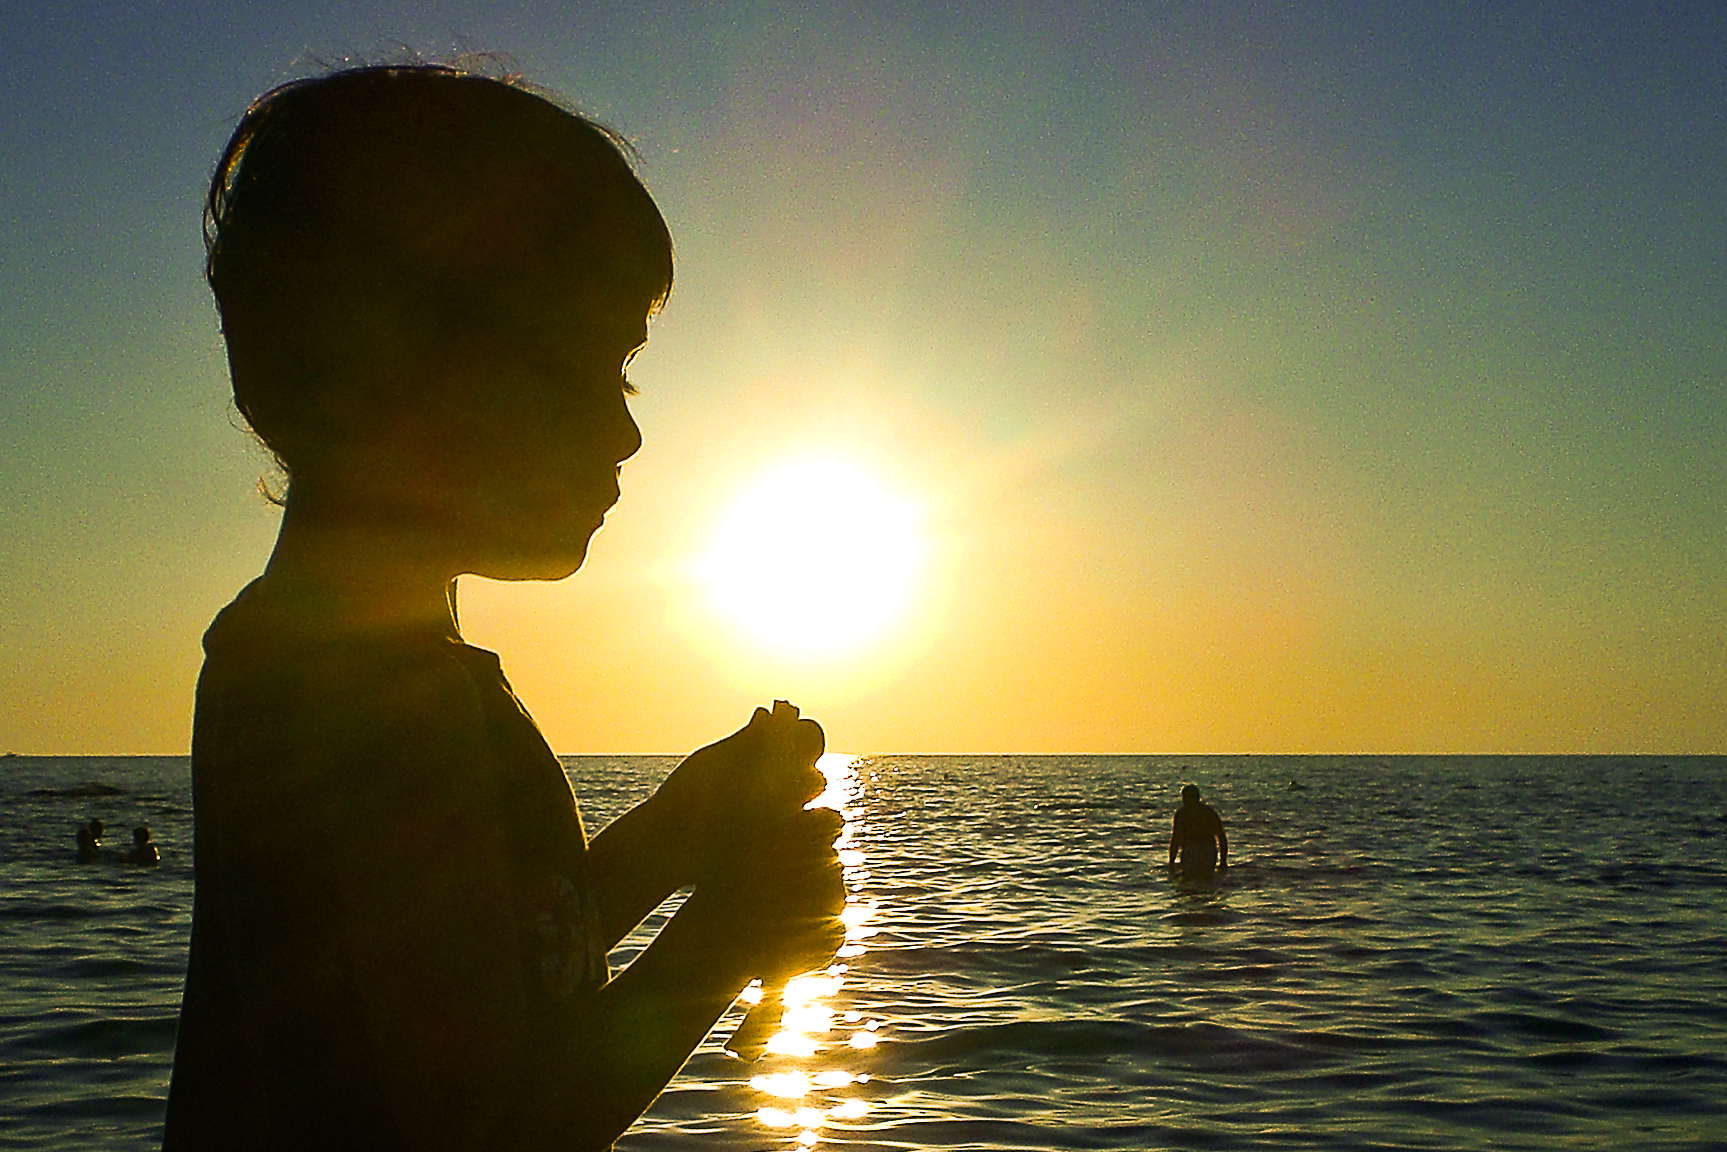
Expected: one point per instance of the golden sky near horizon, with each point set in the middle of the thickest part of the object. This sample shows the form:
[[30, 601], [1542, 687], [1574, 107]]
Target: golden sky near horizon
[[1206, 380]]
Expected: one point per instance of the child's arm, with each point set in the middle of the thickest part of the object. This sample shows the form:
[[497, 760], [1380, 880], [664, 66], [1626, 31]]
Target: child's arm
[[647, 1021], [465, 1058], [745, 793]]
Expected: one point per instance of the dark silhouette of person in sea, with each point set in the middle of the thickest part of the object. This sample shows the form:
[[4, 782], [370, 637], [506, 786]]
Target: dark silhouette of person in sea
[[1197, 840], [431, 283], [90, 841], [143, 850]]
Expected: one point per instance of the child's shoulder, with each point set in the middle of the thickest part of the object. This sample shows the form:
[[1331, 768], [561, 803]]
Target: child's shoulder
[[318, 688]]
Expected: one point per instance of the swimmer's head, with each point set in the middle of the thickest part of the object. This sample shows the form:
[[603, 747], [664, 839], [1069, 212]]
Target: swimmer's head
[[141, 835], [363, 227], [1190, 794]]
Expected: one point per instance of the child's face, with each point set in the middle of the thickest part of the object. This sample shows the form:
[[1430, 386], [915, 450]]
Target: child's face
[[534, 423]]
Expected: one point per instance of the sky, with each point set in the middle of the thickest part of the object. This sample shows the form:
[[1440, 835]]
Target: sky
[[1316, 378]]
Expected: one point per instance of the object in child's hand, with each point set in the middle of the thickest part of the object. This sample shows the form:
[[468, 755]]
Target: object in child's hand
[[763, 1019]]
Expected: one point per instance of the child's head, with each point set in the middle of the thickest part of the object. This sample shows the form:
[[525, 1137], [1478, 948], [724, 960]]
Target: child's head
[[365, 227]]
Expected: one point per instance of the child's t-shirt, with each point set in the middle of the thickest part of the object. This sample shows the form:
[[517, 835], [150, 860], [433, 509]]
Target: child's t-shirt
[[377, 821]]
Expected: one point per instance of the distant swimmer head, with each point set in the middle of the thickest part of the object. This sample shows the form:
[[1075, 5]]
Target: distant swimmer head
[[1190, 794]]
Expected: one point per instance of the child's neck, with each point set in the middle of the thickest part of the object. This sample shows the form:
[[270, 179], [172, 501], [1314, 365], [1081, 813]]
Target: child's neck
[[377, 573]]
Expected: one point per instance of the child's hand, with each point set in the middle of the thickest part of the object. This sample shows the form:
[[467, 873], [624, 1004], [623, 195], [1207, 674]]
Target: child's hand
[[743, 791], [737, 810], [784, 890]]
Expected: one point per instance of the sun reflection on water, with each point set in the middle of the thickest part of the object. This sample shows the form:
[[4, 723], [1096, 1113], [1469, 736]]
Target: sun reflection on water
[[802, 1094]]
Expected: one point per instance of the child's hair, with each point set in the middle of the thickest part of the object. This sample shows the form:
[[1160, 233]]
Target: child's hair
[[361, 222]]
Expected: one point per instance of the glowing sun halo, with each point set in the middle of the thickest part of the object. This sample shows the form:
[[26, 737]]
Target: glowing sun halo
[[817, 556]]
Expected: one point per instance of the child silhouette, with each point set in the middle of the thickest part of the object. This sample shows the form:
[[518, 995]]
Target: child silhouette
[[430, 285]]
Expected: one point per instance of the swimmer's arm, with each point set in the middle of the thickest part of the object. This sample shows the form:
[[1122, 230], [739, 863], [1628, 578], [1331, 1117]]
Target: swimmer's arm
[[1222, 846], [1175, 838]]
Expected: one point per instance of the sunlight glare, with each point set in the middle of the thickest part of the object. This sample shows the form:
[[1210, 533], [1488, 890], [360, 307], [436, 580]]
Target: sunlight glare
[[817, 557], [788, 1085], [793, 1044]]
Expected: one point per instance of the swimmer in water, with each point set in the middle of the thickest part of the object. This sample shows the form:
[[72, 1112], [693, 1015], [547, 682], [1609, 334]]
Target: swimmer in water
[[90, 841], [143, 850], [1197, 840]]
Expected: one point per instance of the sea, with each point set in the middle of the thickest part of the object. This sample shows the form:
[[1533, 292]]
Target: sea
[[1407, 953]]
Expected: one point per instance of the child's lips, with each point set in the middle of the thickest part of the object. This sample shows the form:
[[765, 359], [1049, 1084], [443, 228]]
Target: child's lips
[[604, 502], [601, 497]]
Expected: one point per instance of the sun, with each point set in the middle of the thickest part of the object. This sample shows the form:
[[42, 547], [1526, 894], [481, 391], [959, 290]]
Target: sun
[[817, 556]]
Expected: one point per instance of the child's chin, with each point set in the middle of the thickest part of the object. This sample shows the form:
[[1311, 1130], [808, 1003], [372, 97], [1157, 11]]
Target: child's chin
[[536, 569], [548, 563], [549, 556]]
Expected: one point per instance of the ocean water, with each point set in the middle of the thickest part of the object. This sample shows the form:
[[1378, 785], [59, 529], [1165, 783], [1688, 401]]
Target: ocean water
[[1447, 952]]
